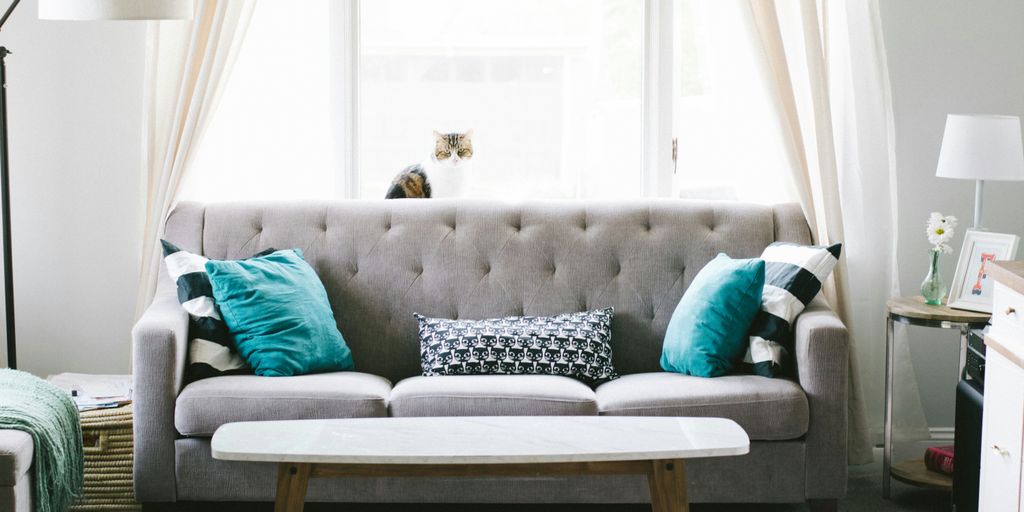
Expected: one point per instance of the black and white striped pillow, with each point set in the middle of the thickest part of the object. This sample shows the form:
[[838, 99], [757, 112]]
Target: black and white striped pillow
[[211, 349], [793, 277]]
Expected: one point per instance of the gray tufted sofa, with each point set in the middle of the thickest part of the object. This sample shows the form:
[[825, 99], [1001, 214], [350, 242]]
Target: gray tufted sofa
[[380, 261]]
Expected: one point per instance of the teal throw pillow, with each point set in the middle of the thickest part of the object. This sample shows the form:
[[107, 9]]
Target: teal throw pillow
[[707, 333], [277, 309]]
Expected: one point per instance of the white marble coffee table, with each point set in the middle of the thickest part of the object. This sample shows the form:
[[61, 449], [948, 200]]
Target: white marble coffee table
[[482, 446]]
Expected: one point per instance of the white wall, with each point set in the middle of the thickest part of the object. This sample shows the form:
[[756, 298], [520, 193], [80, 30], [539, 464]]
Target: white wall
[[75, 113], [948, 56]]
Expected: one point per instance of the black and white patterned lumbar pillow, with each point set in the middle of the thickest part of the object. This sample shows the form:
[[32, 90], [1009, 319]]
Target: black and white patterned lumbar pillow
[[211, 349], [793, 277], [575, 345]]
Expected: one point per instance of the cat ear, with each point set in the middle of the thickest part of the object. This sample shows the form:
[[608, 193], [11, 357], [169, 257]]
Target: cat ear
[[468, 134], [438, 135]]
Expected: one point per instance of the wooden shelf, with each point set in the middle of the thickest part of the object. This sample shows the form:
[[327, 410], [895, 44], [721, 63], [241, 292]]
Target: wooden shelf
[[914, 472], [915, 307]]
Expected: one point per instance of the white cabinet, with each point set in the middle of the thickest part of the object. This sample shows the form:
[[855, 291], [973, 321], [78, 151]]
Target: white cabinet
[[1002, 434], [1002, 439], [1007, 314]]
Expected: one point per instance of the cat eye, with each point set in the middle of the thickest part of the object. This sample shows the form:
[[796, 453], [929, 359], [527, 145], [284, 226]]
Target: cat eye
[[443, 154], [464, 153]]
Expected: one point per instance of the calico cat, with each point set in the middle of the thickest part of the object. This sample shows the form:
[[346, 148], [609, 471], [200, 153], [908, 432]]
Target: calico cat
[[444, 174]]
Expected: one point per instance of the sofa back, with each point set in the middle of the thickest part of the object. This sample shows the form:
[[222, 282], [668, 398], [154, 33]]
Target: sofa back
[[380, 260]]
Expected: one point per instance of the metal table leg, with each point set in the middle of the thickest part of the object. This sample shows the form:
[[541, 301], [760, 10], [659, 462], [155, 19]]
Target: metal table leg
[[887, 443], [965, 331]]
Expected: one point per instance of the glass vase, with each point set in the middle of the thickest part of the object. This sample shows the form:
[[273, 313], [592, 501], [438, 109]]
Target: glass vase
[[933, 289]]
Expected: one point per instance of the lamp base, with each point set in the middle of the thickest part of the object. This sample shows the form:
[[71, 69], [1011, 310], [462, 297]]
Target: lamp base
[[979, 190]]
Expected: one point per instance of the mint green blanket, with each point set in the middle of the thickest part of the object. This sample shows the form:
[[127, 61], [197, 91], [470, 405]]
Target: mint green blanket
[[48, 414]]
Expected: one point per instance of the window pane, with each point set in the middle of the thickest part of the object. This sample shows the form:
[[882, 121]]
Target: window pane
[[550, 88], [731, 143], [271, 135]]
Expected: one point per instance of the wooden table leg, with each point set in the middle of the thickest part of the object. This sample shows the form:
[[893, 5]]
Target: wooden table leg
[[292, 480], [667, 480]]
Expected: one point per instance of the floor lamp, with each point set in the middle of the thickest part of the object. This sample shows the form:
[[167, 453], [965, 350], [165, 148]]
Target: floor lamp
[[61, 10]]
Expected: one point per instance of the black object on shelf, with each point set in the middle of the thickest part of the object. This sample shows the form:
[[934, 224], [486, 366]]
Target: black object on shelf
[[974, 364], [967, 440]]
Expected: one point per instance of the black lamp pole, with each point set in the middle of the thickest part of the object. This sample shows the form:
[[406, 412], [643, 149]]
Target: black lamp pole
[[5, 199]]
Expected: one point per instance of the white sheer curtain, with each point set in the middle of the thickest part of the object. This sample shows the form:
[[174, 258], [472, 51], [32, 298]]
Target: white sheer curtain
[[830, 77], [186, 68], [865, 134]]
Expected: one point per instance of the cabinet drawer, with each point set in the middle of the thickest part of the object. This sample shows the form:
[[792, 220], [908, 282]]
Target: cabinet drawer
[[1002, 435], [1008, 310]]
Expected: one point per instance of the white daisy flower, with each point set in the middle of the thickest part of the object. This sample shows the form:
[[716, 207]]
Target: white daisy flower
[[940, 231]]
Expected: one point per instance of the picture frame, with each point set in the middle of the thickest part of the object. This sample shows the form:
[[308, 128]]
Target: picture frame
[[971, 288]]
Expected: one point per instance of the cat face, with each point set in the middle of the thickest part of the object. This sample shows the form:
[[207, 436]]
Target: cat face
[[480, 352], [534, 354], [453, 149], [463, 354], [499, 353]]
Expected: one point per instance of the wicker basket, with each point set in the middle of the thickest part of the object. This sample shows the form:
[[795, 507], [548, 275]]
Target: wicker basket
[[107, 437]]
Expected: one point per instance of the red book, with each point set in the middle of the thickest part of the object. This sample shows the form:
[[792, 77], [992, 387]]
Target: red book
[[940, 459]]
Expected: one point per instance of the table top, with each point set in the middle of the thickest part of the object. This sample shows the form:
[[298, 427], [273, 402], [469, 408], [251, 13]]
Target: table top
[[1010, 273], [479, 440], [914, 307]]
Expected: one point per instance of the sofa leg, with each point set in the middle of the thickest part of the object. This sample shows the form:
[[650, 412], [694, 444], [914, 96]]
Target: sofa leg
[[831, 505]]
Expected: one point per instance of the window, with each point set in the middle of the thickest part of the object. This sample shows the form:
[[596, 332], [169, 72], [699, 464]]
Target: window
[[332, 98], [271, 136], [550, 88], [730, 143]]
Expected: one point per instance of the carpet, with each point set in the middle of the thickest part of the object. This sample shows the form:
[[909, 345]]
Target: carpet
[[864, 495]]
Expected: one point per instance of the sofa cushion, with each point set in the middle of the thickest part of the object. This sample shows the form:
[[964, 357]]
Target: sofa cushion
[[15, 456], [207, 404], [492, 395], [571, 344], [706, 335], [278, 311], [768, 409], [211, 349], [793, 277]]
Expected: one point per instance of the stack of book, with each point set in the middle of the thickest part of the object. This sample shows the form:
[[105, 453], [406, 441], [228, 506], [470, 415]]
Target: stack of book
[[91, 392], [940, 459]]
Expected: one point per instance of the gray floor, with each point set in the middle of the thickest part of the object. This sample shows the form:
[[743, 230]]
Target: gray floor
[[865, 495]]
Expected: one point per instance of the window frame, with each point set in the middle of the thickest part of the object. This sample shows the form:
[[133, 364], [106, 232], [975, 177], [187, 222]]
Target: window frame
[[345, 51], [657, 97]]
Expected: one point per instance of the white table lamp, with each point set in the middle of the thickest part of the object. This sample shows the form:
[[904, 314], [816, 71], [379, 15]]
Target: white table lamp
[[980, 148]]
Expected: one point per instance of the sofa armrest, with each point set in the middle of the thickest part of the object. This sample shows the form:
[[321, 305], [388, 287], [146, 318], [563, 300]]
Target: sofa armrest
[[822, 361], [159, 347]]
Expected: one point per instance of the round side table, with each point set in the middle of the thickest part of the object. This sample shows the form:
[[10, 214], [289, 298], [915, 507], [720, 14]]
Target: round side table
[[914, 311]]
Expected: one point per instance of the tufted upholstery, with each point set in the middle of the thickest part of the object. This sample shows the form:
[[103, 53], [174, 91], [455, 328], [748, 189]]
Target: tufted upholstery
[[383, 260]]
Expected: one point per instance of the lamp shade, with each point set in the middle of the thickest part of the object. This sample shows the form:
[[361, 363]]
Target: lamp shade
[[115, 9], [982, 148]]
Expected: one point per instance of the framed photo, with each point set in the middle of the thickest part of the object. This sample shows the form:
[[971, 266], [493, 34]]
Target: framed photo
[[972, 286]]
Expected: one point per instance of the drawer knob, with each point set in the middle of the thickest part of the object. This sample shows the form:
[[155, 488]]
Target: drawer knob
[[1011, 311], [999, 451]]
